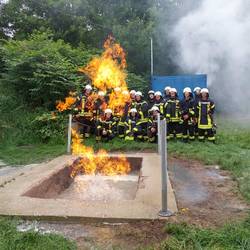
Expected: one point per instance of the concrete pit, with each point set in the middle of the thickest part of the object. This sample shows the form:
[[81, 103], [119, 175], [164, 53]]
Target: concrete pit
[[46, 191], [90, 187]]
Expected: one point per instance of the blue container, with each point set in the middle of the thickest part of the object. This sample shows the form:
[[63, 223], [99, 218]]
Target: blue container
[[159, 83]]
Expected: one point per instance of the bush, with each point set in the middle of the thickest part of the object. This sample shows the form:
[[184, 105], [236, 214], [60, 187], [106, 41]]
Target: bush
[[49, 126], [40, 71]]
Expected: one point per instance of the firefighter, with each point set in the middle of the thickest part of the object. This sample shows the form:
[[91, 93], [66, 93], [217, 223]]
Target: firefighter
[[152, 124], [204, 111], [84, 107], [173, 115], [121, 125], [142, 108], [187, 114], [167, 93], [132, 128], [132, 97], [151, 99], [106, 126], [159, 102], [99, 105], [197, 95]]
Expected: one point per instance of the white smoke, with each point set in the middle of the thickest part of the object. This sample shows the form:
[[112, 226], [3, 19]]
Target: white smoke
[[215, 39]]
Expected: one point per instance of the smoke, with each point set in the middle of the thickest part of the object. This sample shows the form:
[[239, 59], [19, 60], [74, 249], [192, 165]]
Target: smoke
[[214, 38]]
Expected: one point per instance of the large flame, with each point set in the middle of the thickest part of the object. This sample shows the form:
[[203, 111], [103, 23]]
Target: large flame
[[107, 73], [99, 163]]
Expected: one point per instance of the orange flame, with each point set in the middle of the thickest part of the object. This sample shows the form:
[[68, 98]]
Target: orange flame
[[67, 104], [99, 163], [107, 72]]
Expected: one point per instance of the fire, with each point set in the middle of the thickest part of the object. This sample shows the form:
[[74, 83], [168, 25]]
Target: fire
[[107, 73], [99, 163], [67, 104]]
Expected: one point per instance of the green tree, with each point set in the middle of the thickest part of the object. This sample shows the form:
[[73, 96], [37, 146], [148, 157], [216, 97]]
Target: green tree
[[40, 70]]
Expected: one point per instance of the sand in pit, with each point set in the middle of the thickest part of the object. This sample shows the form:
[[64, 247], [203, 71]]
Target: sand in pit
[[101, 188]]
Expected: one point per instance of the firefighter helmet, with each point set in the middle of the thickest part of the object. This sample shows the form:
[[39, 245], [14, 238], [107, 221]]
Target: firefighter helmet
[[88, 87], [173, 90], [132, 92], [138, 93], [187, 89], [133, 110], [125, 92], [167, 88], [205, 90], [151, 92], [117, 89], [101, 93], [196, 89], [154, 108], [158, 93], [108, 111]]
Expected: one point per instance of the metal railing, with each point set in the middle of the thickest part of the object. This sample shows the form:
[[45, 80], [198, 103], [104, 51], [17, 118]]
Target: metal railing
[[162, 151]]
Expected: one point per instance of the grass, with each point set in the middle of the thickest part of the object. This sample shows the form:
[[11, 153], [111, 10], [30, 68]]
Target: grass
[[26, 154], [232, 153], [10, 239], [229, 237]]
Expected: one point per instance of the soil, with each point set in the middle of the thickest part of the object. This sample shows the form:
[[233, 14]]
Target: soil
[[206, 196]]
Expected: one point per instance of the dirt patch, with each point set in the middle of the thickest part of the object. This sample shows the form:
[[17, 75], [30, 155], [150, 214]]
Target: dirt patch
[[206, 196]]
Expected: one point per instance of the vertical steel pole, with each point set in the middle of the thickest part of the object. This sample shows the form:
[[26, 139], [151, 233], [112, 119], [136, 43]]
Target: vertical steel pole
[[152, 57], [159, 133], [164, 211], [69, 134]]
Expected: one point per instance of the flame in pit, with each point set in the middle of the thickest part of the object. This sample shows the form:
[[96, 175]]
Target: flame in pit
[[99, 163]]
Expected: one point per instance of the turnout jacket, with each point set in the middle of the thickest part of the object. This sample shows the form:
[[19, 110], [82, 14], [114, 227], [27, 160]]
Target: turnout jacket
[[187, 108], [142, 109], [172, 110], [204, 111], [107, 124]]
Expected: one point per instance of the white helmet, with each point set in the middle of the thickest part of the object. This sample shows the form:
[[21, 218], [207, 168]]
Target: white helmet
[[158, 93], [151, 92], [108, 111], [138, 93], [197, 88], [117, 89], [187, 89], [133, 110], [125, 92], [88, 87], [101, 93], [205, 90], [132, 92], [154, 108], [173, 90], [167, 88]]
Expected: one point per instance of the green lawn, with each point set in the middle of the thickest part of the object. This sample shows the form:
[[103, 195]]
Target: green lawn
[[229, 237], [10, 239], [231, 152]]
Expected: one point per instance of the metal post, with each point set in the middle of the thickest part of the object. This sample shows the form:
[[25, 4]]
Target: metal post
[[69, 134], [164, 174], [159, 133], [152, 57]]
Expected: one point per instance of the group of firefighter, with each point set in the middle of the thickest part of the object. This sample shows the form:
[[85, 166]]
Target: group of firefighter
[[188, 117]]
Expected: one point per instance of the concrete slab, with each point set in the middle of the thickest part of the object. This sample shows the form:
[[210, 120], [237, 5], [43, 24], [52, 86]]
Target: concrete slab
[[146, 204]]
